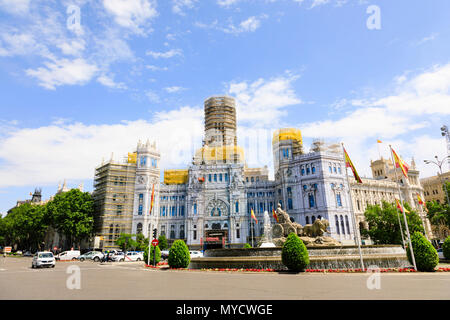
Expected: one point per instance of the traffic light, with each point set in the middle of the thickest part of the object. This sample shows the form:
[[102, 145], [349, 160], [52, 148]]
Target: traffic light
[[154, 233]]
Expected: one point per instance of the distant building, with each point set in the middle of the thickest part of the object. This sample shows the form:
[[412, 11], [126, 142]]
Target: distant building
[[113, 199], [433, 187]]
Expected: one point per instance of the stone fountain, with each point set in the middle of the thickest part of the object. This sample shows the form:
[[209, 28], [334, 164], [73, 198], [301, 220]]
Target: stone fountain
[[324, 252], [267, 238]]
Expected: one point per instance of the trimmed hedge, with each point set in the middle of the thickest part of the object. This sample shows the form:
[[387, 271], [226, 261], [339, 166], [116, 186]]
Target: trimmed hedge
[[158, 254], [446, 248], [425, 254], [294, 254], [179, 256], [247, 246]]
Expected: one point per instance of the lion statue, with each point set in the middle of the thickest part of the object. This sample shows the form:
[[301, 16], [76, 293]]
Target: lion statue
[[317, 229]]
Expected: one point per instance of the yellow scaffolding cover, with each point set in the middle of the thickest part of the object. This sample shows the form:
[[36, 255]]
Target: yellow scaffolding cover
[[175, 176], [222, 153], [289, 134]]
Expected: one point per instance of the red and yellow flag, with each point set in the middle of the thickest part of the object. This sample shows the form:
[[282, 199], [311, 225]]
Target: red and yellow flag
[[399, 163], [349, 164], [399, 206], [254, 217], [275, 215], [419, 199], [379, 141], [151, 202]]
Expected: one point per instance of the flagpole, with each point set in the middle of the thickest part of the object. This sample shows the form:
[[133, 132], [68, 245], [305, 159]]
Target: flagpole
[[421, 217], [251, 228], [403, 210], [355, 229]]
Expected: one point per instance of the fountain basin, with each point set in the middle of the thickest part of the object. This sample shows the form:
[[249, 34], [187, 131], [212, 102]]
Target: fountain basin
[[338, 257]]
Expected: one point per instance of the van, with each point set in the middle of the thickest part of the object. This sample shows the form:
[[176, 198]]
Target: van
[[68, 255]]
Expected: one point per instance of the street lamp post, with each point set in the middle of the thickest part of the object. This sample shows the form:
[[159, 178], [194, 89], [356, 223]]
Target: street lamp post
[[439, 164]]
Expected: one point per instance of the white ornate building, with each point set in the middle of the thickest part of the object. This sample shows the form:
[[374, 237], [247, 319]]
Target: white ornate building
[[209, 203]]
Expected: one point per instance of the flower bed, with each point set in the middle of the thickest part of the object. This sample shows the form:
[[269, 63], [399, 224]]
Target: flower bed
[[383, 270]]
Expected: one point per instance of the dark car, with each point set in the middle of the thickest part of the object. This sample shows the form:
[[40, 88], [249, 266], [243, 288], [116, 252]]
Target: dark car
[[27, 254]]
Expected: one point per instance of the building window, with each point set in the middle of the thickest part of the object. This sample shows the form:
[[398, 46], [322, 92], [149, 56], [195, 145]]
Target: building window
[[290, 207], [163, 230], [119, 209], [220, 177], [140, 210], [347, 224], [342, 225], [329, 167], [237, 206], [154, 163], [209, 177], [338, 200], [339, 169], [313, 169], [308, 170], [312, 202], [215, 177], [303, 171], [139, 228], [226, 177], [238, 233], [172, 232], [307, 220], [337, 224], [195, 235], [313, 218], [182, 232], [195, 208], [182, 211]]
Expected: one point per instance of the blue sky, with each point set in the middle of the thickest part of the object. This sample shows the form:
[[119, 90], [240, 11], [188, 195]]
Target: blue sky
[[73, 94]]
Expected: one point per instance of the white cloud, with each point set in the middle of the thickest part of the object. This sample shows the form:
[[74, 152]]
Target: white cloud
[[156, 68], [165, 55], [227, 3], [72, 47], [45, 155], [17, 7], [174, 89], [251, 24], [263, 102], [132, 14], [317, 3], [63, 72], [179, 6], [108, 81]]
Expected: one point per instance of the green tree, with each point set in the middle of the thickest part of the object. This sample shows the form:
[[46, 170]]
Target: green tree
[[141, 242], [179, 256], [152, 250], [125, 242], [162, 242], [25, 226], [72, 214], [294, 254], [425, 254], [439, 217], [383, 221]]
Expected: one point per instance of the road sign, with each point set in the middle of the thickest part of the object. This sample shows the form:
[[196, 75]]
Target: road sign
[[7, 249], [155, 242]]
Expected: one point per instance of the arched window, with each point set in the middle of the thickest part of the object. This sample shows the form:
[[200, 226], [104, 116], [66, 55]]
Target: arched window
[[342, 225], [337, 224], [182, 232], [319, 217], [139, 228], [172, 232], [313, 218], [307, 220]]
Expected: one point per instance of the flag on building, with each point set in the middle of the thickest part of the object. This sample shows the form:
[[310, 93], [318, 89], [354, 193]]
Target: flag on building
[[399, 163], [379, 141], [399, 206], [151, 201], [349, 164], [419, 199], [254, 217], [275, 215]]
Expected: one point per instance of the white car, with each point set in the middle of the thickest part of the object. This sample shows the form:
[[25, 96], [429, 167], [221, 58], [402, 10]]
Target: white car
[[68, 255], [441, 253], [43, 259], [91, 255], [196, 254]]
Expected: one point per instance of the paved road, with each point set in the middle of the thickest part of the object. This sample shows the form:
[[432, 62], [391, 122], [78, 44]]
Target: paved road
[[133, 281]]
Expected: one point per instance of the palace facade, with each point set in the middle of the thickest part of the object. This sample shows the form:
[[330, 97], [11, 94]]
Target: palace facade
[[209, 202]]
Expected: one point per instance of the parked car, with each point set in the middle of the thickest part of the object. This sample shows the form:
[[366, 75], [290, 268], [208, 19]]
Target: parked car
[[68, 255], [164, 254], [18, 252], [117, 256], [91, 255], [440, 252], [196, 254], [130, 256], [43, 259], [27, 254]]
